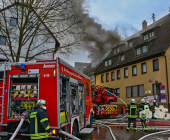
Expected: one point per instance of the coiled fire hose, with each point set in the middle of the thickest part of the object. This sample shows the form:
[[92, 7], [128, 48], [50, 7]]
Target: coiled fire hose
[[18, 128]]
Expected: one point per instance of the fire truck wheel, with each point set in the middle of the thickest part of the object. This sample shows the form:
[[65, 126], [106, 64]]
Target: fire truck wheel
[[75, 129]]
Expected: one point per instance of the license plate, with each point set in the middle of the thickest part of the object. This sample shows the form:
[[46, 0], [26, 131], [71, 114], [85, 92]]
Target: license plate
[[3, 133]]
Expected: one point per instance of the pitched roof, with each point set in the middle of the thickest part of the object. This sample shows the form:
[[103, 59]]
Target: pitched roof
[[18, 3], [157, 45]]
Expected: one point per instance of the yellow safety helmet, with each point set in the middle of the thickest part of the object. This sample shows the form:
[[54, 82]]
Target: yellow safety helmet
[[132, 100], [41, 102], [154, 100], [142, 101]]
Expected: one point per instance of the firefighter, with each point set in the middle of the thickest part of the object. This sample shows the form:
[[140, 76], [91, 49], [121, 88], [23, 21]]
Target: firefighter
[[132, 114], [154, 109], [142, 113], [39, 123], [148, 104]]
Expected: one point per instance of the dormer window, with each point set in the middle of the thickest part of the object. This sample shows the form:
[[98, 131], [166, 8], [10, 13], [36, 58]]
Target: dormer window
[[151, 34], [115, 51], [105, 63], [141, 50], [122, 57], [110, 62], [145, 37], [130, 44]]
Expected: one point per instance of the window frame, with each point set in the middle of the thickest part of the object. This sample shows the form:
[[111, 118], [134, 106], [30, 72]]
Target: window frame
[[106, 64], [114, 51], [142, 67], [107, 78], [16, 22], [123, 57], [144, 37], [5, 39], [140, 51], [131, 88], [158, 65], [118, 94], [130, 43], [124, 73], [132, 70], [102, 78], [117, 74], [117, 50], [111, 76], [110, 62]]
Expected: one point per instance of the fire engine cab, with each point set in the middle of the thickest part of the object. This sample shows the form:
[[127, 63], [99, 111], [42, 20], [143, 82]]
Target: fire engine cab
[[66, 90], [102, 97]]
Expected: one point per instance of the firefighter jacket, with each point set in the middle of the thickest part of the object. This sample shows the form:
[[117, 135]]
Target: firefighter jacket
[[132, 110], [39, 124], [149, 105], [142, 108]]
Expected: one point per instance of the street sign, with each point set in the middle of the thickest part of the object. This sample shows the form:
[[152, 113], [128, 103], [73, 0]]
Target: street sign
[[162, 87], [163, 96], [163, 100], [162, 91]]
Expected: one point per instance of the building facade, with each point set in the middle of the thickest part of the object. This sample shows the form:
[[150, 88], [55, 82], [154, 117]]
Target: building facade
[[131, 64]]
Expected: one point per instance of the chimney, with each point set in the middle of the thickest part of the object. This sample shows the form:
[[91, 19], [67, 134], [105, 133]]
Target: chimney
[[144, 25]]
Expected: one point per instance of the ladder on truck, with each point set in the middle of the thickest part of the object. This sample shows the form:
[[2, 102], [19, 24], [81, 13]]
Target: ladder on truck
[[2, 95]]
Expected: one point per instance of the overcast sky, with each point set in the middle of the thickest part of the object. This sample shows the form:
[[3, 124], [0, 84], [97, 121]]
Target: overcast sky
[[126, 15]]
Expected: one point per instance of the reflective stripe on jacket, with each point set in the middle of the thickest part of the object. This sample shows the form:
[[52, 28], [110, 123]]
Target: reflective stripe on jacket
[[39, 124], [132, 110], [142, 109]]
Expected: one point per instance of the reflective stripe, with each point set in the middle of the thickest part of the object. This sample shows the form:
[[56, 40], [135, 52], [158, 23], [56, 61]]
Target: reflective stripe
[[127, 126], [36, 128], [48, 127], [132, 116], [33, 113], [32, 116], [28, 121], [39, 134], [135, 128], [45, 119], [39, 137]]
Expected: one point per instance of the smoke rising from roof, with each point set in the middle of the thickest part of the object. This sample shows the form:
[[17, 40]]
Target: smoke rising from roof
[[97, 41]]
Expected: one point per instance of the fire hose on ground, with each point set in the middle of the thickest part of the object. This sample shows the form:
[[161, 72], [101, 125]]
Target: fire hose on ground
[[18, 128], [21, 122]]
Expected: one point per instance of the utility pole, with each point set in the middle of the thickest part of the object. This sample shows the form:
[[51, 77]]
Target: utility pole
[[153, 17]]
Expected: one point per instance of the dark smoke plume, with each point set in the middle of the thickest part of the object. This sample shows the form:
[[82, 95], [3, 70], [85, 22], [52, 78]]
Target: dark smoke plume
[[97, 41]]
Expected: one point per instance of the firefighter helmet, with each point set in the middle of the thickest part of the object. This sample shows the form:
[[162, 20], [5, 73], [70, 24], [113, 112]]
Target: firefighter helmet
[[147, 102], [154, 100], [142, 101], [41, 102], [132, 100]]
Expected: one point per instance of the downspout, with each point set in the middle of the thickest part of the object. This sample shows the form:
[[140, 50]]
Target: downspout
[[167, 79]]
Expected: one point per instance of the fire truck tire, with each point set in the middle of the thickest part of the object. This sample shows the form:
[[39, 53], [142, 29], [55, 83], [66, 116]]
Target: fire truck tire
[[75, 129]]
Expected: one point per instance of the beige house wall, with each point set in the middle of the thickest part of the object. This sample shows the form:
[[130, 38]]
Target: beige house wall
[[139, 79]]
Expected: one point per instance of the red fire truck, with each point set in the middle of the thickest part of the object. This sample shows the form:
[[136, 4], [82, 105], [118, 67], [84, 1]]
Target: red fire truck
[[65, 89], [102, 98]]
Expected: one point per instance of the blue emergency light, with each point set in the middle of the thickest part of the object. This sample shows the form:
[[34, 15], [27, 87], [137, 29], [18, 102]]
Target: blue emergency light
[[22, 67]]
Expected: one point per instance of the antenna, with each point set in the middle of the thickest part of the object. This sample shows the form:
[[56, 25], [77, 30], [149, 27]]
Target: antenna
[[153, 17]]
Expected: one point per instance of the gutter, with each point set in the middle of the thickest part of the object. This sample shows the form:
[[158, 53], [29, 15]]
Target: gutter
[[167, 79]]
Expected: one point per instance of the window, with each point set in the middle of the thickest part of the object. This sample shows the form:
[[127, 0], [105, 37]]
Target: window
[[105, 63], [151, 34], [2, 40], [87, 90], [112, 76], [134, 70], [102, 78], [13, 22], [107, 77], [110, 62], [118, 74], [114, 51], [126, 72], [138, 51], [145, 37], [85, 67], [128, 92], [122, 57], [141, 90], [117, 50], [29, 25], [135, 91], [130, 44], [118, 92], [144, 49], [143, 67], [155, 65]]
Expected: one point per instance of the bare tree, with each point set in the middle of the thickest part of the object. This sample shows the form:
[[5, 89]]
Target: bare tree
[[31, 27]]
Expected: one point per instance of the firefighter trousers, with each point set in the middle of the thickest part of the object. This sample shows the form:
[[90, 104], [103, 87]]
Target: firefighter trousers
[[143, 122], [41, 139], [133, 120]]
